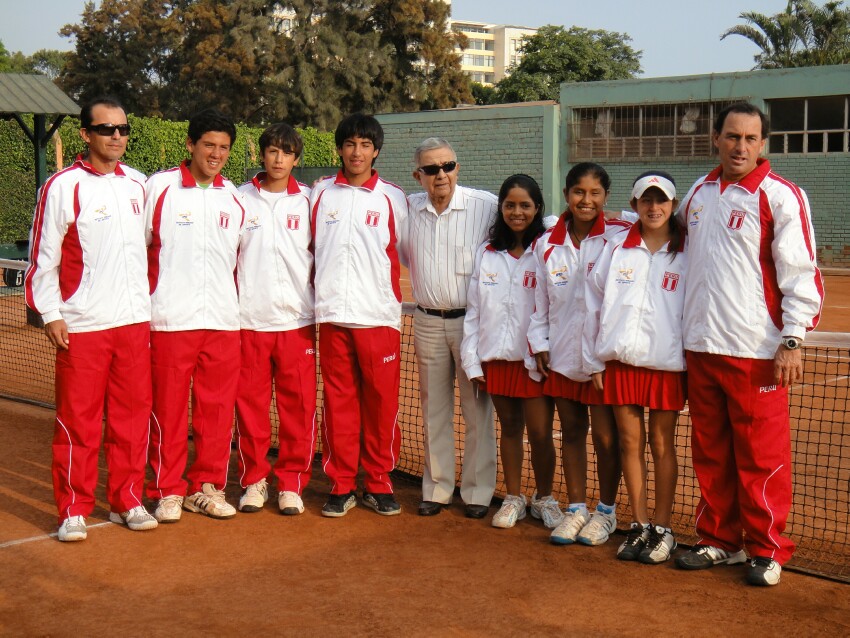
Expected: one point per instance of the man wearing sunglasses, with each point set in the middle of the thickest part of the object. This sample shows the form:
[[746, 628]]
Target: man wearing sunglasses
[[88, 280], [445, 225]]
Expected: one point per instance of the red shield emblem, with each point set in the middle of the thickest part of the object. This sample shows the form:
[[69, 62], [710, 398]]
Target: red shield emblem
[[530, 279], [224, 220], [372, 218], [293, 221], [670, 281], [736, 219], [136, 208]]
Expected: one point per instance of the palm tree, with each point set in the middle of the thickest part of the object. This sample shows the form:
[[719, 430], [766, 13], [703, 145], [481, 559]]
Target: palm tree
[[805, 34]]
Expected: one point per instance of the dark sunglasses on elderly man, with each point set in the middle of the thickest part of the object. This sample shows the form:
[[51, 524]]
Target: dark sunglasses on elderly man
[[433, 169], [108, 130]]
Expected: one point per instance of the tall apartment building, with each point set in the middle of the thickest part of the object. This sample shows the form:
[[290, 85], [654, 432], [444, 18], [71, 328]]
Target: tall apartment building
[[492, 50]]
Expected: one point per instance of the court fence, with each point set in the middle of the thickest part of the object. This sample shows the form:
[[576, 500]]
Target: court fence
[[820, 436]]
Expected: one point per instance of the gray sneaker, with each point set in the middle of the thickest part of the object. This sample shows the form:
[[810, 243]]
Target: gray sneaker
[[705, 556], [137, 519], [72, 528]]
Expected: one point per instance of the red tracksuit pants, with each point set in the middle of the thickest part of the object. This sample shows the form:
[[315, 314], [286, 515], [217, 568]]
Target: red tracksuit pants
[[360, 371], [741, 444], [111, 369], [208, 362], [289, 358]]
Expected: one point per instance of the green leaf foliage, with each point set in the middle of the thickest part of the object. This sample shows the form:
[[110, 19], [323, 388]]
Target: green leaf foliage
[[554, 55]]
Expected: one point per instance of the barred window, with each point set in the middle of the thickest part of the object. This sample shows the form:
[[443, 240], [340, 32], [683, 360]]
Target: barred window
[[643, 131], [810, 125]]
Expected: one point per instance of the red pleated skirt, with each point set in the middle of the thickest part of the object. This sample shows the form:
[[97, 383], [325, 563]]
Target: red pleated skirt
[[561, 387], [510, 379], [653, 389]]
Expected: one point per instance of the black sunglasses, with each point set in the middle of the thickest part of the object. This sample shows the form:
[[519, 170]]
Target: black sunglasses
[[433, 169], [108, 130]]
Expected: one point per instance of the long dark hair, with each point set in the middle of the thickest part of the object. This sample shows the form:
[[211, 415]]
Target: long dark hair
[[677, 229], [502, 237]]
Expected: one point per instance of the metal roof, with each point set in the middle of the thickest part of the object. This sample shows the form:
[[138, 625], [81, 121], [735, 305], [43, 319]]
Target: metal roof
[[20, 93]]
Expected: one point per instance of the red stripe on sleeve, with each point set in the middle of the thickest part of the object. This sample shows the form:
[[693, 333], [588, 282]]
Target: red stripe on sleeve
[[71, 264], [770, 283], [37, 227], [156, 242], [392, 253]]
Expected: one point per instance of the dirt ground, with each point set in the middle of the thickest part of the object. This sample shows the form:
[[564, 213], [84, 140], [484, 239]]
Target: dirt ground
[[362, 575]]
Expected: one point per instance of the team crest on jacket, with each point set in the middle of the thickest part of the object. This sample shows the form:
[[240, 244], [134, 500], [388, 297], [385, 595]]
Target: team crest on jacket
[[293, 222], [489, 278], [670, 281], [184, 219], [137, 210], [224, 220], [253, 223], [736, 219], [331, 217], [529, 280], [372, 218]]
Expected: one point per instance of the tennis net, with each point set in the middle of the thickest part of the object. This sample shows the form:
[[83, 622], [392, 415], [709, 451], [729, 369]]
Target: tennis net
[[820, 436]]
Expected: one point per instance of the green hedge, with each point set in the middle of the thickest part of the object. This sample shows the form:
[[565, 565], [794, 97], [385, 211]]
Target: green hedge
[[154, 145]]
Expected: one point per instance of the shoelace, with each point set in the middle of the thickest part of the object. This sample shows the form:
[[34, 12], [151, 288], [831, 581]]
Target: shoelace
[[634, 536], [655, 539], [760, 561]]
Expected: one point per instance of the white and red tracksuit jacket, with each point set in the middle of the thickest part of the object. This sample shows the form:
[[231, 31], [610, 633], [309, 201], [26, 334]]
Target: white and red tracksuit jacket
[[355, 235], [88, 262], [634, 302], [500, 300], [275, 263], [558, 320], [194, 237], [753, 275]]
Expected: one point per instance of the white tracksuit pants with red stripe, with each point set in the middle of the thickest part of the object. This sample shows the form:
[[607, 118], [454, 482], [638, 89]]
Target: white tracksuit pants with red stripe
[[361, 373], [206, 361], [741, 444], [289, 358], [111, 369]]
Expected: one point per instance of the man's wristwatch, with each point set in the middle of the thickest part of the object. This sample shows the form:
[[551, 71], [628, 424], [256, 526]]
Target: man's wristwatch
[[791, 343]]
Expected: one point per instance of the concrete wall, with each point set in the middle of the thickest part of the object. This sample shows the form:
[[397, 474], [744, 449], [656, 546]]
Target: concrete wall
[[492, 142]]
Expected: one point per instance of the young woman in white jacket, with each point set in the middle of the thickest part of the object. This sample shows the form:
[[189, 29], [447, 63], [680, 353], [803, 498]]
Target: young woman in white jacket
[[633, 350], [499, 305]]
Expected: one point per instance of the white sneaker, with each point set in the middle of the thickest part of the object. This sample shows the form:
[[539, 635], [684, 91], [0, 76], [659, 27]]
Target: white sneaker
[[764, 571], [290, 504], [547, 510], [511, 511], [659, 547], [254, 497], [73, 528], [137, 519], [169, 509], [209, 501], [598, 528], [567, 531]]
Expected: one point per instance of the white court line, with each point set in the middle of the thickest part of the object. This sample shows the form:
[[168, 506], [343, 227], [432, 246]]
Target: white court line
[[21, 541]]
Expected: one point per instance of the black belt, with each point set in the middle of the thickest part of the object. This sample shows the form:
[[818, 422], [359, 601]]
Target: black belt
[[454, 313]]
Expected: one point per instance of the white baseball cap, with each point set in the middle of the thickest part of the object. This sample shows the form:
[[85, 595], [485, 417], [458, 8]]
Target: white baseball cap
[[654, 181]]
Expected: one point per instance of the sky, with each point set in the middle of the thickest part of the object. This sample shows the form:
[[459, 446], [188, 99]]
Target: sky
[[676, 37]]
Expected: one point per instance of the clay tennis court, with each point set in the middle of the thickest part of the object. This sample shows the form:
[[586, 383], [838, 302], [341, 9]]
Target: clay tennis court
[[365, 574]]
